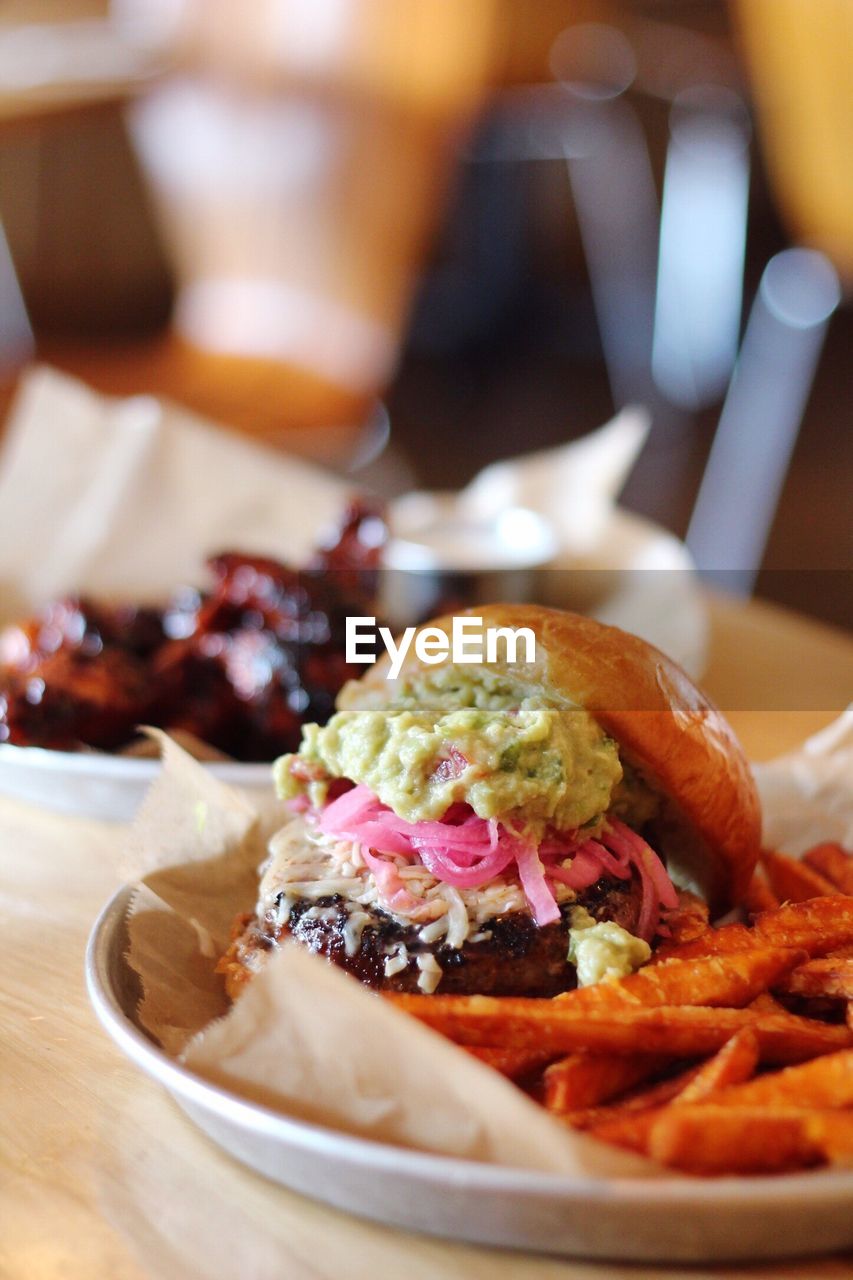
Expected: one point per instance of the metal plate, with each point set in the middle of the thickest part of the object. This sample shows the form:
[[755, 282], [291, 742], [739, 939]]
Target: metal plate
[[669, 1219]]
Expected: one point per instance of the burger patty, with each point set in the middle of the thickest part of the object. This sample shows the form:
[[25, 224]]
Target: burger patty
[[515, 958]]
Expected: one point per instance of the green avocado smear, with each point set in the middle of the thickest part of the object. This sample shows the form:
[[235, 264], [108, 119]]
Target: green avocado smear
[[458, 735], [603, 950]]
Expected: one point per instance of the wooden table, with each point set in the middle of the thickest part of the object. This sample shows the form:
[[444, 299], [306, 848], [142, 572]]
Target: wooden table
[[103, 1178]]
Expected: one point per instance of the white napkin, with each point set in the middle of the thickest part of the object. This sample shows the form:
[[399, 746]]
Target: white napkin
[[126, 498], [807, 795], [574, 485]]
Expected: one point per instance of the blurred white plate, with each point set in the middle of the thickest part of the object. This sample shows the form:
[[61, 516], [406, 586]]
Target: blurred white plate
[[100, 786], [666, 1219]]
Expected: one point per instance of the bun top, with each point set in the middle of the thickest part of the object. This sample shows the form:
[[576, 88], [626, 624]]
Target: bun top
[[710, 829]]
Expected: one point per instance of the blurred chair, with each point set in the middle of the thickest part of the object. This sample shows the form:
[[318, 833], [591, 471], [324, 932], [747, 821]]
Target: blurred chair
[[668, 286]]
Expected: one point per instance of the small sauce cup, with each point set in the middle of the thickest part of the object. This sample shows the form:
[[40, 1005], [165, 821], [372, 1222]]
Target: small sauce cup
[[440, 559]]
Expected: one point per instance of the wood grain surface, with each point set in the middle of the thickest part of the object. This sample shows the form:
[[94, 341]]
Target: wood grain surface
[[101, 1176]]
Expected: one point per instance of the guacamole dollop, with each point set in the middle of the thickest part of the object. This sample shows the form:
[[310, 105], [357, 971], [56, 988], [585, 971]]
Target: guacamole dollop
[[456, 737], [603, 949]]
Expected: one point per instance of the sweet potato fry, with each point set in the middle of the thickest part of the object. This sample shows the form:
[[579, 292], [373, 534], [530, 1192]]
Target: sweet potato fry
[[679, 1031], [766, 1003], [731, 981], [629, 1129], [627, 1123], [834, 1133], [818, 925], [713, 1140], [733, 1064], [638, 1123], [759, 896], [583, 1080], [827, 977], [515, 1064], [637, 1101], [822, 1084], [690, 903], [785, 1038], [714, 942], [689, 919], [793, 881], [833, 862]]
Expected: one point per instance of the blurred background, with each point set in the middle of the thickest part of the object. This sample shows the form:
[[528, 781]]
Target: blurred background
[[507, 218]]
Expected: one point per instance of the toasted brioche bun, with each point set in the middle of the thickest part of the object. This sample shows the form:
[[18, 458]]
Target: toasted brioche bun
[[710, 830]]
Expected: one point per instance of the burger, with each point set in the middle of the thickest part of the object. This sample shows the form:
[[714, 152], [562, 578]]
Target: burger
[[505, 827]]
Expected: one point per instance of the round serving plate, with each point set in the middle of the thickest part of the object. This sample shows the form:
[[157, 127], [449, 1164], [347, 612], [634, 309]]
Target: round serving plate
[[100, 786], [665, 1219]]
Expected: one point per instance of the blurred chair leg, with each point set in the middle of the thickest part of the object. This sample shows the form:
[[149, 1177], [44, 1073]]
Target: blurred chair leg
[[702, 243], [16, 336], [614, 194], [761, 417], [617, 212]]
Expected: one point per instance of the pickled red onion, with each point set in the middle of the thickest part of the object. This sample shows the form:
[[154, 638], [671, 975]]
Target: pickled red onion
[[617, 835], [585, 867], [531, 873], [442, 865], [469, 851], [658, 890], [348, 808]]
